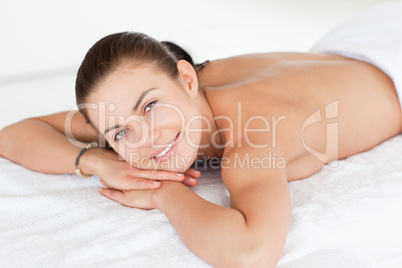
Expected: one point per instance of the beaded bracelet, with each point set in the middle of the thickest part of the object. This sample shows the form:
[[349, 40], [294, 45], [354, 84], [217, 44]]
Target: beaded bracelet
[[77, 169]]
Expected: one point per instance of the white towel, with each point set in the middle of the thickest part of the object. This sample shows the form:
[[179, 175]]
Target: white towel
[[355, 207], [345, 214], [328, 258], [373, 36]]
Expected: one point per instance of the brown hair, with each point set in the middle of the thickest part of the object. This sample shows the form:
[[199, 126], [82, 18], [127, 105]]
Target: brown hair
[[110, 52]]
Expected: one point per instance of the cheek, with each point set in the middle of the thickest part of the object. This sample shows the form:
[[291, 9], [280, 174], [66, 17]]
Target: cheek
[[169, 116], [125, 152], [195, 123], [134, 159], [193, 133]]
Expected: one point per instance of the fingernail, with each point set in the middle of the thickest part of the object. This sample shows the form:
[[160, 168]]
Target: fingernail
[[180, 174], [193, 180], [197, 172], [100, 190], [156, 183]]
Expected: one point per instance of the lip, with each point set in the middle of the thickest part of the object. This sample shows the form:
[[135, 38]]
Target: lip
[[176, 140]]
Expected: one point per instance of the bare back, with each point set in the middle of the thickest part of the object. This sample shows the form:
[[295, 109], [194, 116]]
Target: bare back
[[290, 90]]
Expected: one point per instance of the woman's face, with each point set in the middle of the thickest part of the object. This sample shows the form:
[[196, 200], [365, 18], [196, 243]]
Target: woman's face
[[150, 120]]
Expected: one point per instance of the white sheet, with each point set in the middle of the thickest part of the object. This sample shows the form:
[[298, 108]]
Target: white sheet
[[347, 216]]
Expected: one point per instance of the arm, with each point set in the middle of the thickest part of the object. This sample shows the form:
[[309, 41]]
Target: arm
[[251, 233], [41, 144]]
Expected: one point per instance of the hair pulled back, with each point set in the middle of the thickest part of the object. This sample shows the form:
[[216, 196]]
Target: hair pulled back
[[110, 52]]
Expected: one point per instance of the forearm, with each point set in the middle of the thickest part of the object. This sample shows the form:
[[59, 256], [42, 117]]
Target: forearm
[[37, 146], [217, 234]]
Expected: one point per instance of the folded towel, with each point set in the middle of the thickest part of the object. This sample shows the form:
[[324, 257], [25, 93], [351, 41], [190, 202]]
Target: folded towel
[[373, 36]]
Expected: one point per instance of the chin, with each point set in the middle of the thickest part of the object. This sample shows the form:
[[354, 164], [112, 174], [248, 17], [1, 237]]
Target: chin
[[176, 163], [178, 158], [173, 162]]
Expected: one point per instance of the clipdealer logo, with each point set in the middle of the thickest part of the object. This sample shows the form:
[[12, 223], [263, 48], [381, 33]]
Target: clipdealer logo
[[332, 134]]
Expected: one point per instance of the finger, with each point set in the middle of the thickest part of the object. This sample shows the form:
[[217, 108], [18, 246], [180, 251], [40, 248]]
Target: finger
[[130, 183], [193, 173], [190, 181], [114, 195], [141, 184], [107, 184], [160, 175]]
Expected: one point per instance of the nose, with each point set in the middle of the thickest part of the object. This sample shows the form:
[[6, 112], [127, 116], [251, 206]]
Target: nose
[[140, 132], [154, 134], [151, 142], [145, 136]]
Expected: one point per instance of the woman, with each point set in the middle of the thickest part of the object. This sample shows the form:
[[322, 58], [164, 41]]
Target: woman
[[270, 118]]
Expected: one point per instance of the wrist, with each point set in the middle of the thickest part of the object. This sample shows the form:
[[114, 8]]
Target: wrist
[[167, 190], [89, 160]]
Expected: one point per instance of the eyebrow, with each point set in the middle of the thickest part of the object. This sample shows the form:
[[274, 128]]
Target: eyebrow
[[142, 96]]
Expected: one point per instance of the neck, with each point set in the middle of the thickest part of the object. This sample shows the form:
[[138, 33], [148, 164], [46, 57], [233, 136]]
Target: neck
[[207, 139]]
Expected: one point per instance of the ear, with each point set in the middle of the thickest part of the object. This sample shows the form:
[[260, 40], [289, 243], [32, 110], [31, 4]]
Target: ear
[[188, 77]]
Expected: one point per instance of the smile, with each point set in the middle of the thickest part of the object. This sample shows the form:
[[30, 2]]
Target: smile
[[168, 148]]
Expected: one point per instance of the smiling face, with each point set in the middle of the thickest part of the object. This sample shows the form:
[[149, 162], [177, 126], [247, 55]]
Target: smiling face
[[144, 114]]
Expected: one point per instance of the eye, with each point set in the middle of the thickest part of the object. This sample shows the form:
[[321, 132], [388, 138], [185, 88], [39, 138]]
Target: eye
[[119, 135], [149, 106]]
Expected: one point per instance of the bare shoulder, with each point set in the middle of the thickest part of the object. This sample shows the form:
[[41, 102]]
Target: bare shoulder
[[232, 69]]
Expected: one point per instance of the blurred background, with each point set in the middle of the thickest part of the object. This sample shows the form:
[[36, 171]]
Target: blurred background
[[43, 42]]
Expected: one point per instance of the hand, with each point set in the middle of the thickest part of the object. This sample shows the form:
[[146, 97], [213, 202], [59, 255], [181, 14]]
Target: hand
[[144, 199], [117, 174]]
